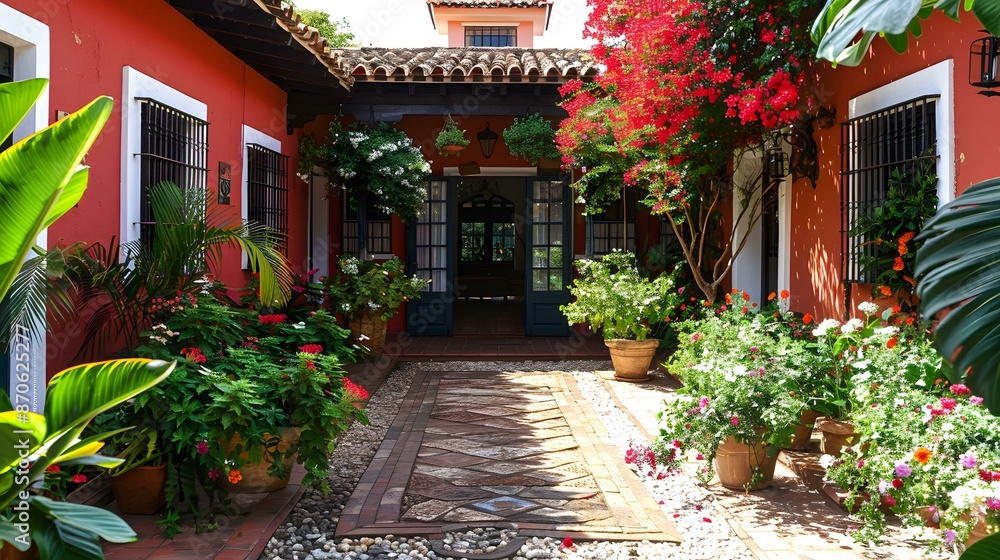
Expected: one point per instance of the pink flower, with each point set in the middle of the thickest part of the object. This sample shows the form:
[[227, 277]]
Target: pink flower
[[213, 474], [735, 421], [948, 404], [695, 337], [992, 503], [202, 447], [902, 471], [960, 389], [968, 461], [975, 400]]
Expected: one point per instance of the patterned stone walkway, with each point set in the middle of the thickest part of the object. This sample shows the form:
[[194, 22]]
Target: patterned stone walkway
[[472, 449]]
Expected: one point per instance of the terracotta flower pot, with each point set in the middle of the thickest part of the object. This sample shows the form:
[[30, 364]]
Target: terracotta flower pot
[[803, 431], [735, 464], [452, 149], [140, 490], [631, 358], [837, 434], [979, 532], [255, 477], [368, 329]]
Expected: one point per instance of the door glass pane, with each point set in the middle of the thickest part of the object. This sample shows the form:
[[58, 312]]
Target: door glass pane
[[540, 280], [541, 238], [432, 238], [540, 258], [541, 212], [556, 235]]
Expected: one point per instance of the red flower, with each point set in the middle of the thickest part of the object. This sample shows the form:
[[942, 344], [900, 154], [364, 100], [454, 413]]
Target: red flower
[[897, 483], [79, 478], [898, 265], [891, 343], [746, 296], [311, 348], [907, 237], [52, 468], [886, 291], [273, 319], [235, 476], [567, 542], [355, 390], [213, 474], [807, 319], [784, 294], [202, 447]]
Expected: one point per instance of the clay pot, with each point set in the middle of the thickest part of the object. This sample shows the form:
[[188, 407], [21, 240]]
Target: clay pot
[[452, 149], [979, 532], [140, 490], [255, 476], [803, 431], [837, 434], [370, 324], [736, 462], [631, 358]]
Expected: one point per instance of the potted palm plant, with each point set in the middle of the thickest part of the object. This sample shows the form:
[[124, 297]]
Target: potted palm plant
[[451, 140], [615, 299], [139, 482]]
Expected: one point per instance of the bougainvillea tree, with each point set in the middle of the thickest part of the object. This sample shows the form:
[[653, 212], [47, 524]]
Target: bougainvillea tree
[[686, 86]]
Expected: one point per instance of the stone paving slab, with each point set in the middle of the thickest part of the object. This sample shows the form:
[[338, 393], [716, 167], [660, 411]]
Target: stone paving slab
[[542, 464]]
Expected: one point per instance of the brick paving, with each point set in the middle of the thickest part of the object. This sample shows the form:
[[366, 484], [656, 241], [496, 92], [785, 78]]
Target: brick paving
[[473, 449]]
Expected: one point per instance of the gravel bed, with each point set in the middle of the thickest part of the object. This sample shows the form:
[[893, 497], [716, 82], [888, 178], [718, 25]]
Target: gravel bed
[[308, 532]]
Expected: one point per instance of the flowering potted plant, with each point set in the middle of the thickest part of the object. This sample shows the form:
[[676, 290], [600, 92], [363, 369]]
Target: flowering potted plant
[[739, 402], [377, 161], [451, 140], [615, 299], [531, 138], [369, 293]]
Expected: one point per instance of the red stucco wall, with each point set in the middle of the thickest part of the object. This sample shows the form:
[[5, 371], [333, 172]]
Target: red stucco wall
[[91, 41], [816, 218]]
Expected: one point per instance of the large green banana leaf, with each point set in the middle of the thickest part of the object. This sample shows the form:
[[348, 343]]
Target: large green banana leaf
[[957, 269], [40, 176], [841, 21]]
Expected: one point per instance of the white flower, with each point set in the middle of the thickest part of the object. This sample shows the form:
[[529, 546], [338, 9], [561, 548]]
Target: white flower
[[825, 326], [300, 325], [887, 331], [851, 326], [868, 307], [826, 461], [362, 338]]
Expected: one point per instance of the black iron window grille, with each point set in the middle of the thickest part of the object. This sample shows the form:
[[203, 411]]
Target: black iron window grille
[[612, 232], [379, 238], [896, 140], [174, 148], [490, 36], [267, 191]]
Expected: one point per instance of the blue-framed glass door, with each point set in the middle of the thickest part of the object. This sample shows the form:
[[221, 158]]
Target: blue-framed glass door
[[430, 249], [549, 254]]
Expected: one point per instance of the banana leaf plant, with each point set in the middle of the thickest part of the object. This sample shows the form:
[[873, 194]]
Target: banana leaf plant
[[958, 272], [40, 180], [836, 30]]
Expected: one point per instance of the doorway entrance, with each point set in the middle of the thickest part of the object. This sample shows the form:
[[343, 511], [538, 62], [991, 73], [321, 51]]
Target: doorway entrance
[[493, 248]]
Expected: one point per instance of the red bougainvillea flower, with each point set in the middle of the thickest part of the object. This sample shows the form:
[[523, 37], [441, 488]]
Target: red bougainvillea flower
[[79, 478], [202, 447], [355, 390], [273, 319], [213, 474], [311, 348], [235, 476], [922, 455]]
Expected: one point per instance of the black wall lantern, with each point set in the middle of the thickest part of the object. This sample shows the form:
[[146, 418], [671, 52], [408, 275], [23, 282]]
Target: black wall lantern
[[983, 58], [775, 157], [487, 141]]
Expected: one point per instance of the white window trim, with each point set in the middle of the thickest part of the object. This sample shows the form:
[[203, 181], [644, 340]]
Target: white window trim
[[939, 80], [30, 40], [136, 85]]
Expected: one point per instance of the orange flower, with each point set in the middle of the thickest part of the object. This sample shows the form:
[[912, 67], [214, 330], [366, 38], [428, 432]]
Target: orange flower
[[729, 299], [807, 319], [746, 296], [886, 291], [898, 265], [891, 343], [771, 296], [705, 303], [784, 294], [922, 455], [902, 249], [907, 237], [735, 290], [896, 309], [235, 476], [911, 281]]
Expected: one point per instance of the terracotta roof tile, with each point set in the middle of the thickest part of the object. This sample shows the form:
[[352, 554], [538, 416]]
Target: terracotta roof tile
[[308, 37], [501, 64], [491, 3]]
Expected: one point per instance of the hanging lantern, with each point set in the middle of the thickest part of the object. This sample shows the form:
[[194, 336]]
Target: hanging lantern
[[487, 141], [983, 65]]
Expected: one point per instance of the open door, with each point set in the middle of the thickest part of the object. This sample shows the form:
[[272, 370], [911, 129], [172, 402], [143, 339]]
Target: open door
[[430, 245], [550, 255]]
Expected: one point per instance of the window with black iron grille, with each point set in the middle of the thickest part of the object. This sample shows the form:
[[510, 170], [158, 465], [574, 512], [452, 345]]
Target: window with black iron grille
[[902, 139], [267, 191], [174, 148], [490, 36], [379, 239], [611, 230], [6, 75]]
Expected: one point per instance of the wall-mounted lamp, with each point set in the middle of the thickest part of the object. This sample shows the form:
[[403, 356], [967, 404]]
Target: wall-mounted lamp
[[983, 57], [775, 157], [487, 141]]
